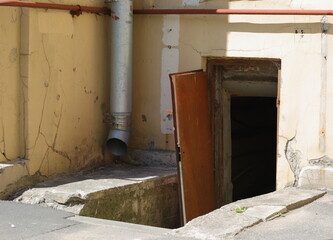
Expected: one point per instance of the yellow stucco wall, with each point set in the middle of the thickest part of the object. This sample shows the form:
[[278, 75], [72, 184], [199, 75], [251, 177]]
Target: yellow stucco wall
[[199, 37], [66, 94], [54, 88], [10, 104]]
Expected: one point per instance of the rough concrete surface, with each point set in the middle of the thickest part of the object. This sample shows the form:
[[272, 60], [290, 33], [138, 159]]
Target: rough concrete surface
[[316, 177], [21, 221], [225, 222], [265, 212], [161, 158], [313, 221], [140, 195], [30, 222]]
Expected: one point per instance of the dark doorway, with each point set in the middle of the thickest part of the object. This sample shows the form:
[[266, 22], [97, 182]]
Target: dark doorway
[[253, 133]]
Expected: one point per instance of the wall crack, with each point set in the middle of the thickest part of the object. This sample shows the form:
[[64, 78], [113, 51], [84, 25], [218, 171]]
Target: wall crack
[[293, 157]]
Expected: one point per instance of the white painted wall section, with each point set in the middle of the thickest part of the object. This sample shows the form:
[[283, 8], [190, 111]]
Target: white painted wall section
[[191, 2], [169, 64]]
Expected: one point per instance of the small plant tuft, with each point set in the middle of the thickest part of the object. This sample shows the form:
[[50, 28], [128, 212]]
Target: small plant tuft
[[240, 209], [280, 215]]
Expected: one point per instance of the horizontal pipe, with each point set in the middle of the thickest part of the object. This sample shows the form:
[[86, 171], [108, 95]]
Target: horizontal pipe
[[74, 9], [235, 11]]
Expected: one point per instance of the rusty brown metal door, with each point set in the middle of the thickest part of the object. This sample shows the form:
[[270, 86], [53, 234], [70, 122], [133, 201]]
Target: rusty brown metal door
[[194, 143]]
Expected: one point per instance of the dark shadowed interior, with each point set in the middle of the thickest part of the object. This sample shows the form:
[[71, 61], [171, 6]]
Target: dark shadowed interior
[[253, 130]]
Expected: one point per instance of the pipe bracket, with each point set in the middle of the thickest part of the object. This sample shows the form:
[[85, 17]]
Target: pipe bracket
[[118, 121], [76, 12]]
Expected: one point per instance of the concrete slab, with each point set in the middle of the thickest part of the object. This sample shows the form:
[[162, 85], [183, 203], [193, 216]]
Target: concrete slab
[[265, 212], [31, 222], [60, 191], [219, 224], [21, 221], [289, 197], [91, 229], [225, 222], [313, 221], [142, 195]]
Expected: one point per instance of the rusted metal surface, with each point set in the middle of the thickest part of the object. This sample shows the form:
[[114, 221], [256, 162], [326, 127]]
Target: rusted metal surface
[[235, 11], [73, 9], [195, 143]]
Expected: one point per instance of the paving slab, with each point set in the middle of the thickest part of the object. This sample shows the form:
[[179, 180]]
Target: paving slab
[[226, 222]]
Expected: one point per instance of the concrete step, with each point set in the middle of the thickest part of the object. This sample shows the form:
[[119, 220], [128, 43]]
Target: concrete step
[[142, 195]]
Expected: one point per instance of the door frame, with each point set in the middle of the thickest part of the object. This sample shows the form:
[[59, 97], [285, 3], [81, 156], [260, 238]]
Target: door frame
[[217, 96]]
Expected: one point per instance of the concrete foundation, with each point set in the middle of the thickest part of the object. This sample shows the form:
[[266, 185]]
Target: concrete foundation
[[139, 195]]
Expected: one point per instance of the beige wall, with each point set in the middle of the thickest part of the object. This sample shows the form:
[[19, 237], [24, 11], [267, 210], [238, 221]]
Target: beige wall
[[54, 83], [10, 91], [200, 37]]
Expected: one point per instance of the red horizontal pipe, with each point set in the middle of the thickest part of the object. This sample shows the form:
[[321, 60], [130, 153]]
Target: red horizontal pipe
[[74, 9], [235, 11]]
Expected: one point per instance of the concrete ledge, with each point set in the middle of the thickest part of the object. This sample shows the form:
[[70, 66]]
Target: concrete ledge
[[233, 218], [316, 177], [139, 195]]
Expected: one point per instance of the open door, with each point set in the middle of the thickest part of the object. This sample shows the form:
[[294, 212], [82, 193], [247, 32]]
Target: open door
[[194, 143]]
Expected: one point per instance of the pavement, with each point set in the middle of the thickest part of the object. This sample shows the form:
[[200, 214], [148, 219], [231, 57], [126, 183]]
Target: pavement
[[289, 213], [32, 222]]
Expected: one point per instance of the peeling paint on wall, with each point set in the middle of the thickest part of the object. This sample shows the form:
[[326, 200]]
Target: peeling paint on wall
[[324, 161], [294, 157], [169, 64]]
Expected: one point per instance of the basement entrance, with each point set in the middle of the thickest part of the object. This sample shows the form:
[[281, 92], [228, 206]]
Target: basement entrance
[[253, 134], [225, 121]]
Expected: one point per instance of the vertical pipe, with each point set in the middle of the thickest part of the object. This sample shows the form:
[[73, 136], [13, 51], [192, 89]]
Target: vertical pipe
[[323, 91], [120, 75]]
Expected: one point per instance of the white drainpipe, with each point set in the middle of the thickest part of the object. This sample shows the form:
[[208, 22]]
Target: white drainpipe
[[120, 75]]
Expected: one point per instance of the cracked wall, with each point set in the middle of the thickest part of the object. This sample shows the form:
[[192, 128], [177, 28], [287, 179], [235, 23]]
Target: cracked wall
[[10, 100], [54, 78], [64, 83], [296, 40]]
